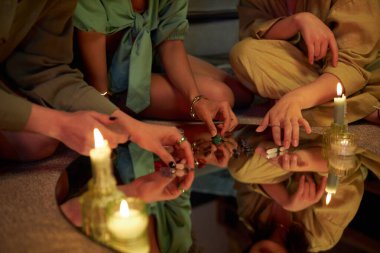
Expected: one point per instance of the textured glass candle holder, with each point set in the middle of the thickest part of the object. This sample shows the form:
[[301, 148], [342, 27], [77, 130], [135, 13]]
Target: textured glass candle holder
[[333, 130], [341, 157], [100, 201]]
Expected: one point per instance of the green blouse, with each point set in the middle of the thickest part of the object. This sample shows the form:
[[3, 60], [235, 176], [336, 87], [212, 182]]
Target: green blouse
[[163, 20]]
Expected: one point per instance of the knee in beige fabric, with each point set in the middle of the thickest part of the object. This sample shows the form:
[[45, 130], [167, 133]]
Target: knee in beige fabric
[[245, 58]]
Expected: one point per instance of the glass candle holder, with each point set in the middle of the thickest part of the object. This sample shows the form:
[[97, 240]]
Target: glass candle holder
[[341, 157], [128, 227]]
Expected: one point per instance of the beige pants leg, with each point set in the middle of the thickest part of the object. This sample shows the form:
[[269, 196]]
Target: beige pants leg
[[271, 68]]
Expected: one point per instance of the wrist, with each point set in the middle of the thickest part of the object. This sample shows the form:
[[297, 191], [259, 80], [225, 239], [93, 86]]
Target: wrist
[[296, 98], [194, 101], [297, 20]]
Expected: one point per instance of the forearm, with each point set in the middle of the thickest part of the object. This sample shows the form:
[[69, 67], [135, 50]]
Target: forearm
[[277, 192], [45, 121], [320, 91], [283, 30], [92, 46], [175, 61]]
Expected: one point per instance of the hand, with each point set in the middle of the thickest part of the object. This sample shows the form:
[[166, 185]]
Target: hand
[[220, 154], [207, 110], [286, 114], [306, 195], [75, 130], [156, 187], [317, 36], [291, 162], [154, 138]]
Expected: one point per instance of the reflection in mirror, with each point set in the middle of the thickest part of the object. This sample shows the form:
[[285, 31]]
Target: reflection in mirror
[[280, 194]]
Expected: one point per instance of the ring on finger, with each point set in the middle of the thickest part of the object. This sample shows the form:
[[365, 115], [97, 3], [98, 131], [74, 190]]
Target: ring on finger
[[183, 139]]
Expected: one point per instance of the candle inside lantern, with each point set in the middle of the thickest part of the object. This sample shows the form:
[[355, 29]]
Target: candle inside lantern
[[339, 105], [331, 186], [130, 227]]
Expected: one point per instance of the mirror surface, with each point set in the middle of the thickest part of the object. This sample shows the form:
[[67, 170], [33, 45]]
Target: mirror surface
[[251, 196]]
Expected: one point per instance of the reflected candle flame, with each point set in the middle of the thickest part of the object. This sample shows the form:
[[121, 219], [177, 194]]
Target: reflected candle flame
[[124, 209], [98, 138], [339, 89], [328, 198]]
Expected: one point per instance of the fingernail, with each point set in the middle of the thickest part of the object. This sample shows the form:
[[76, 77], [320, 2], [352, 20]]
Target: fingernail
[[112, 118], [172, 164]]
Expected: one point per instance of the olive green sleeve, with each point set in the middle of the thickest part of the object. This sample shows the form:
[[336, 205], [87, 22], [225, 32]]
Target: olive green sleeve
[[14, 111], [39, 67], [357, 34]]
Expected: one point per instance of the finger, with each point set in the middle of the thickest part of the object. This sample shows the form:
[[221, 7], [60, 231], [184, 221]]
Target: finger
[[301, 186], [103, 118], [324, 45], [234, 121], [293, 162], [165, 156], [334, 50], [321, 188], [226, 120], [310, 53], [276, 133], [186, 182], [183, 145], [317, 49], [285, 162], [287, 134], [306, 190], [295, 134], [211, 126], [303, 122], [263, 124], [312, 188]]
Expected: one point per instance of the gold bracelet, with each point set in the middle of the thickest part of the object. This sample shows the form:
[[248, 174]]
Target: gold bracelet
[[106, 93], [193, 102]]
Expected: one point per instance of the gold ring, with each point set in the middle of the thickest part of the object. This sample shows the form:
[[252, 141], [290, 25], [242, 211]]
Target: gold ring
[[179, 142]]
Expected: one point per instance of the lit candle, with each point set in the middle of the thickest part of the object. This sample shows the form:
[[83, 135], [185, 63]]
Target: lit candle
[[331, 186], [130, 226], [339, 105], [101, 154]]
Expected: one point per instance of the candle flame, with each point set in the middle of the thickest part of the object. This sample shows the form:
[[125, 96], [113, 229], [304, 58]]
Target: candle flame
[[124, 209], [328, 198], [98, 138], [339, 89]]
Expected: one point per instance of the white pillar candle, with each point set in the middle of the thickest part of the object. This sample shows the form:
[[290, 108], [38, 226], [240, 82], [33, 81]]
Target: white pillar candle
[[129, 226], [331, 186], [339, 105]]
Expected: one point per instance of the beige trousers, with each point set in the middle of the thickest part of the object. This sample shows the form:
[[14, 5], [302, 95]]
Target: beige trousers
[[271, 68]]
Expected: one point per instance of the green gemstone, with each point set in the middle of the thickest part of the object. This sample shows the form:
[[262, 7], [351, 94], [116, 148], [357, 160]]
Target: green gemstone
[[217, 139]]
